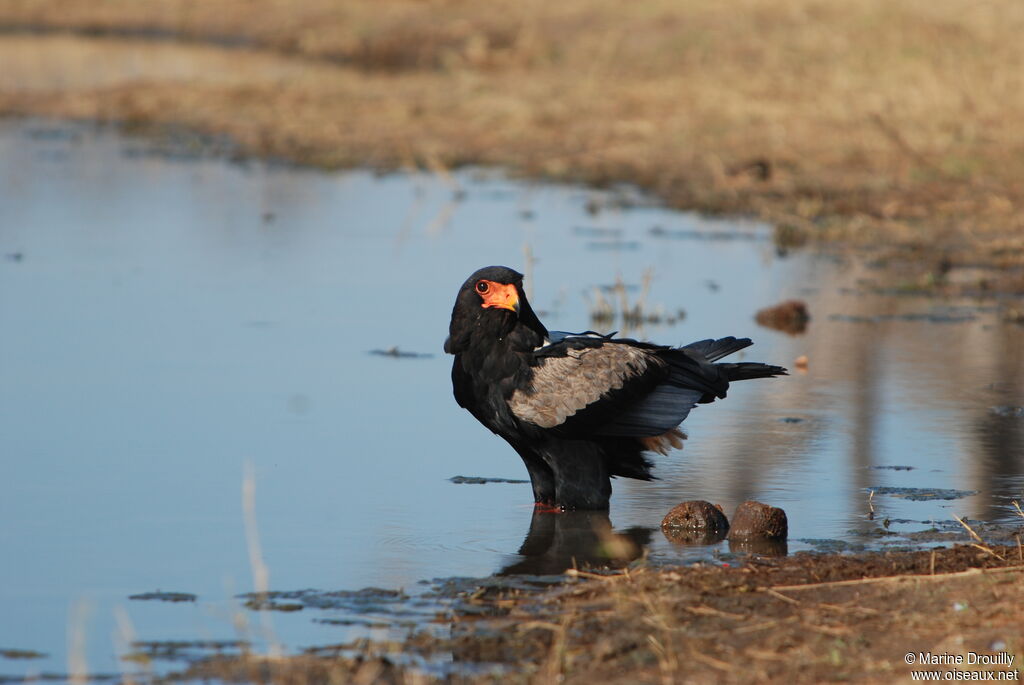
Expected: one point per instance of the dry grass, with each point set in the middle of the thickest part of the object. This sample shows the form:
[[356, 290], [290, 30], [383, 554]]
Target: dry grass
[[803, 619], [874, 121]]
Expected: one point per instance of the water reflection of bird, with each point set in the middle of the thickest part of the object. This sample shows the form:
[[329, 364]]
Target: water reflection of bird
[[577, 539], [578, 408]]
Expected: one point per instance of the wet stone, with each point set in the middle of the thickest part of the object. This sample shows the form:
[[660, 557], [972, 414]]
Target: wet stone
[[790, 317], [758, 521], [695, 522]]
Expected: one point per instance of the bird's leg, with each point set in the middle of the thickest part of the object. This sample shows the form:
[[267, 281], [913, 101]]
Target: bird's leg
[[581, 475], [541, 476]]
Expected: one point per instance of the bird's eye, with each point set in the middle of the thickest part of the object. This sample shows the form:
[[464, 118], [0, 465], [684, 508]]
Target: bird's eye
[[482, 287]]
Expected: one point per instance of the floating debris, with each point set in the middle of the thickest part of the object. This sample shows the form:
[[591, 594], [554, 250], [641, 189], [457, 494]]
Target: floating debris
[[832, 546], [21, 654], [613, 245], [184, 650], [791, 419], [924, 494], [261, 604], [367, 600], [457, 588], [400, 354], [789, 317], [894, 467], [161, 596], [695, 234], [360, 622], [479, 480]]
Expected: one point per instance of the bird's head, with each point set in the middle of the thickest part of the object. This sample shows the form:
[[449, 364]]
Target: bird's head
[[492, 304]]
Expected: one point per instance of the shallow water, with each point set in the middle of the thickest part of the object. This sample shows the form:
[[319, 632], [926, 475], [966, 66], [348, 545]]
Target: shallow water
[[168, 321]]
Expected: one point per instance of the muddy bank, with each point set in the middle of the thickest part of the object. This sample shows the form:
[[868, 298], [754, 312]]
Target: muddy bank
[[843, 123], [808, 618]]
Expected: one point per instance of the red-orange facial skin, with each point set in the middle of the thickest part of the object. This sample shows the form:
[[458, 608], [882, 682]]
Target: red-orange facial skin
[[499, 295]]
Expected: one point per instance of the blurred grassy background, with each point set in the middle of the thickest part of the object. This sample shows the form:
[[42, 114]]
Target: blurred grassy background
[[891, 122]]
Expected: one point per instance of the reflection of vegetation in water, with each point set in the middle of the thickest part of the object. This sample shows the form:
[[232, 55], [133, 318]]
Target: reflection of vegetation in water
[[612, 306]]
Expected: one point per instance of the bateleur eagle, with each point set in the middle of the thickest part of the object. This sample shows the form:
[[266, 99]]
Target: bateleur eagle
[[578, 408]]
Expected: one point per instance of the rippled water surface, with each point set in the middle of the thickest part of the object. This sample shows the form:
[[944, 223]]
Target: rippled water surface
[[169, 322]]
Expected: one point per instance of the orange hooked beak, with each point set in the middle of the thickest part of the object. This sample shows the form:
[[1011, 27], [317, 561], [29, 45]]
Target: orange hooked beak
[[500, 295]]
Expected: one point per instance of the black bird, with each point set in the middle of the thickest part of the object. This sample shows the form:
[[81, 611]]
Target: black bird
[[578, 408]]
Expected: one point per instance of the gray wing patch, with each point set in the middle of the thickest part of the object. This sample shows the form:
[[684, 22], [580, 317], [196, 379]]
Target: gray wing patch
[[562, 386], [662, 410]]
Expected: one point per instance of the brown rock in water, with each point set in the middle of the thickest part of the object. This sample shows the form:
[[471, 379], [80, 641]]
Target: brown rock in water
[[757, 521], [790, 317], [695, 523]]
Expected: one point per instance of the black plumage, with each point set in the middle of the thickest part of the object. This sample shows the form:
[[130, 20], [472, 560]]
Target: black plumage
[[578, 408]]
